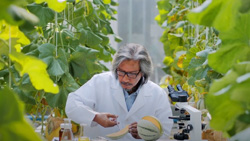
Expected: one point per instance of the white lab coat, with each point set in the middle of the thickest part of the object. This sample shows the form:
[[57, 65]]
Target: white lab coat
[[103, 93]]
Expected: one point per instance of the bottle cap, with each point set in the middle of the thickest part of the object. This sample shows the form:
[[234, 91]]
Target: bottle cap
[[68, 126], [62, 125], [67, 120]]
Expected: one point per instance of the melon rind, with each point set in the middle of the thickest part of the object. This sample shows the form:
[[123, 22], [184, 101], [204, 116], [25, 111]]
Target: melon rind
[[119, 134], [155, 121], [148, 131]]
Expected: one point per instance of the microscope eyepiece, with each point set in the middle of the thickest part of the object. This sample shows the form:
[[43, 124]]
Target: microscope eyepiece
[[179, 88], [177, 96], [171, 89]]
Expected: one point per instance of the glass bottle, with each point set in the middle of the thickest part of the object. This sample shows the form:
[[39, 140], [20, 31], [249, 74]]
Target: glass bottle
[[67, 133], [81, 136], [61, 131]]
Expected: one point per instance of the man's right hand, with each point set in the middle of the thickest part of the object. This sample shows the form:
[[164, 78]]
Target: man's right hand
[[106, 119]]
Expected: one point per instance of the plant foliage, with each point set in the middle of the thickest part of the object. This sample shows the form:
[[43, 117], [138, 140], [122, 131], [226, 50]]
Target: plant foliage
[[49, 48], [212, 54]]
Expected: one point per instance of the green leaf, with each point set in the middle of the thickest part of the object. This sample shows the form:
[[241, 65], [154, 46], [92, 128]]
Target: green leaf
[[223, 109], [26, 91], [17, 36], [227, 97], [57, 64], [105, 39], [45, 14], [245, 118], [68, 85], [4, 48], [245, 6], [84, 63], [117, 38], [224, 58], [175, 40], [21, 14], [164, 4], [190, 54], [5, 13], [215, 13], [13, 124], [234, 48], [36, 70], [106, 1], [241, 32], [240, 92], [89, 38], [1, 65], [56, 5]]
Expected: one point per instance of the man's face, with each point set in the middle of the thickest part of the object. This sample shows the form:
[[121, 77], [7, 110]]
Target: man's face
[[129, 74]]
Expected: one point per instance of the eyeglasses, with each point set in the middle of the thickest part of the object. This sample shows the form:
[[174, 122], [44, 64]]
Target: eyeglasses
[[129, 74]]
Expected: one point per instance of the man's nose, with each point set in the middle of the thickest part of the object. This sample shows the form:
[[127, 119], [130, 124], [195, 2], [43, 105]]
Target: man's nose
[[125, 78]]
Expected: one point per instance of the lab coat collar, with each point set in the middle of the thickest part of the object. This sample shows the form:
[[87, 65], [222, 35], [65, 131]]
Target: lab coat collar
[[118, 93], [119, 97], [139, 101]]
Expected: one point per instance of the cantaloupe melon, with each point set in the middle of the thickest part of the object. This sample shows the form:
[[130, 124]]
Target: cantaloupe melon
[[154, 120], [149, 128], [119, 134]]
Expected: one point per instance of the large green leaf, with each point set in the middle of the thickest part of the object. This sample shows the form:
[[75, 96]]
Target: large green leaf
[[217, 13], [224, 110], [56, 5], [234, 48], [68, 85], [26, 91], [240, 32], [45, 14], [36, 70], [17, 36], [228, 96], [89, 38], [84, 63], [19, 14], [4, 48], [245, 6], [191, 53], [57, 64], [223, 59], [5, 13], [13, 124]]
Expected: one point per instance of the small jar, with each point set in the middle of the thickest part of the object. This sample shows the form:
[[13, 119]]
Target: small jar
[[67, 133], [62, 125]]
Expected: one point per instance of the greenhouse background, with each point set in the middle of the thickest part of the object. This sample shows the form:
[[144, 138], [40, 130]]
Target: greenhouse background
[[50, 48], [136, 24]]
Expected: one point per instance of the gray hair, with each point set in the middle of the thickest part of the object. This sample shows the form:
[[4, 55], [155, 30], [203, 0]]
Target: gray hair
[[133, 51]]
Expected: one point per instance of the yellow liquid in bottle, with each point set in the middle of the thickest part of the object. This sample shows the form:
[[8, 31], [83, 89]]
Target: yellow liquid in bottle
[[83, 139]]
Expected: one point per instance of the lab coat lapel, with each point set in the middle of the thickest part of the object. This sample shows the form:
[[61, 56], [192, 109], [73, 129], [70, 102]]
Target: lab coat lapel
[[139, 102], [118, 94]]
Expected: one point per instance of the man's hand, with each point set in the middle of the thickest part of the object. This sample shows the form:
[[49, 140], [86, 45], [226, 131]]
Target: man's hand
[[106, 119], [132, 129]]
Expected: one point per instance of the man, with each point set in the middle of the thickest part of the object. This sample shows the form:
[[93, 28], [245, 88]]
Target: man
[[109, 101]]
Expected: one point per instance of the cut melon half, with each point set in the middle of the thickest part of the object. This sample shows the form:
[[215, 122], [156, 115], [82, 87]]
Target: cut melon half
[[149, 128], [155, 121], [119, 134]]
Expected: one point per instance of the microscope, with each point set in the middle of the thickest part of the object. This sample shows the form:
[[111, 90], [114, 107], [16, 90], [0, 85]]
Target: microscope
[[190, 117]]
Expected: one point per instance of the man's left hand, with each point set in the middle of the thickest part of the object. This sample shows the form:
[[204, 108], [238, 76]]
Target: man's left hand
[[132, 129]]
